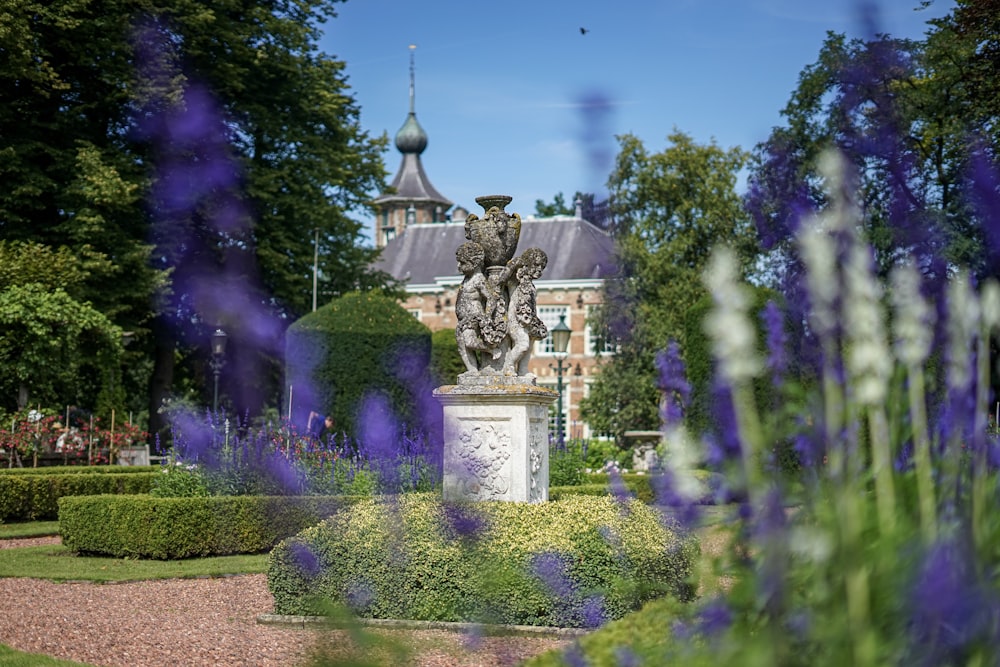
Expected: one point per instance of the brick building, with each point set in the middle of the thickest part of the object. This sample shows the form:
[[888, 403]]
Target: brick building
[[419, 236]]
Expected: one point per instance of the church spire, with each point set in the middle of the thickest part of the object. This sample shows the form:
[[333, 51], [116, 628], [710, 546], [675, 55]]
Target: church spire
[[413, 47], [411, 138]]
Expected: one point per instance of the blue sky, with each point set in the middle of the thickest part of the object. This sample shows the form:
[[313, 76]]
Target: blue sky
[[502, 88]]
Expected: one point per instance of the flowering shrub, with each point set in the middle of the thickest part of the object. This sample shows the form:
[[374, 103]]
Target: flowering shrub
[[888, 553], [213, 458], [31, 432]]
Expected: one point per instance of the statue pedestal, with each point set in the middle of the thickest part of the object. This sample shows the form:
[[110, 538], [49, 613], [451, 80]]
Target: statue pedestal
[[496, 440]]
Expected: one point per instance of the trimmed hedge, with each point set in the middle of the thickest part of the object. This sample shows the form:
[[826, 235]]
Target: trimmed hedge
[[642, 638], [144, 526], [572, 563], [30, 497], [79, 470], [356, 345], [641, 487]]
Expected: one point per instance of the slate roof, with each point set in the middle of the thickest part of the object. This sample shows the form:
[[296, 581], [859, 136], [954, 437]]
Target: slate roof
[[411, 184], [424, 255]]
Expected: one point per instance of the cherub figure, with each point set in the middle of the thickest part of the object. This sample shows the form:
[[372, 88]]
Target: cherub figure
[[523, 323], [478, 307]]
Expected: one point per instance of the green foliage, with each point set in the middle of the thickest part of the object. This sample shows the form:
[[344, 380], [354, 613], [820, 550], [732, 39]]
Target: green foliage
[[558, 206], [566, 464], [408, 558], [179, 481], [36, 496], [446, 362], [641, 638], [697, 354], [671, 209], [53, 347], [144, 526], [361, 344], [84, 90], [80, 470]]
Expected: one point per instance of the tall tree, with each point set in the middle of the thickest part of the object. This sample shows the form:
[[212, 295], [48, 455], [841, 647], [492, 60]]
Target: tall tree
[[670, 209], [194, 151], [918, 127]]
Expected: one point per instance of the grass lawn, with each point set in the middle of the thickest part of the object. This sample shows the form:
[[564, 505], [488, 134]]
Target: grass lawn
[[11, 658], [57, 563], [28, 529]]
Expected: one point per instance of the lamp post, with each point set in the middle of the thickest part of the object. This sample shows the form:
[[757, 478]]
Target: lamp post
[[218, 361], [560, 344]]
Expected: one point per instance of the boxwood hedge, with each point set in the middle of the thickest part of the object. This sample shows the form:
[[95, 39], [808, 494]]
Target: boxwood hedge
[[78, 470], [144, 526], [34, 496], [573, 563]]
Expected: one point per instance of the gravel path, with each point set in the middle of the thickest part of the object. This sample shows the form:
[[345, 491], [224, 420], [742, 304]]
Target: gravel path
[[200, 623]]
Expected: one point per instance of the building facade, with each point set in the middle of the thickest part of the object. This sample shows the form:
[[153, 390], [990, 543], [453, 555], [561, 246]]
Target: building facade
[[579, 259], [419, 235]]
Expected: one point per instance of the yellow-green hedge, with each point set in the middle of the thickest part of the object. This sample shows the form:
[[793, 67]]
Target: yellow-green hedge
[[144, 526], [409, 558], [33, 496]]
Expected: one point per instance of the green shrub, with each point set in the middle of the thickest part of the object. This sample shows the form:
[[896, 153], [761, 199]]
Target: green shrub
[[360, 343], [179, 481], [35, 496], [409, 558], [145, 526], [446, 362], [640, 638], [79, 470]]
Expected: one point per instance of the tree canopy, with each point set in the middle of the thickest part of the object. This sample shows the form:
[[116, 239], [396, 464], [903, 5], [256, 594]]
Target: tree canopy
[[670, 209], [187, 152]]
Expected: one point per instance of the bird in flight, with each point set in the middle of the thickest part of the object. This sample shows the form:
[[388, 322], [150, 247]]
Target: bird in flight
[[583, 31]]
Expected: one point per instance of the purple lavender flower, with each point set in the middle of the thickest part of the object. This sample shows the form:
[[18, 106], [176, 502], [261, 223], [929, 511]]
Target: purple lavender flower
[[552, 569], [673, 383], [574, 656], [626, 657], [360, 595], [305, 559], [777, 340], [951, 610], [463, 521], [714, 617], [592, 611], [685, 510], [724, 444]]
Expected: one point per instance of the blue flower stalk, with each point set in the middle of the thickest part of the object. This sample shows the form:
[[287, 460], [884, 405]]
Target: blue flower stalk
[[823, 241]]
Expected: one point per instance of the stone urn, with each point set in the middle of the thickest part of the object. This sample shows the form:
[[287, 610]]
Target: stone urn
[[497, 231]]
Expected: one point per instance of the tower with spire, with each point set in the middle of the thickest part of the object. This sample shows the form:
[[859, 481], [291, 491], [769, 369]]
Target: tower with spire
[[411, 199]]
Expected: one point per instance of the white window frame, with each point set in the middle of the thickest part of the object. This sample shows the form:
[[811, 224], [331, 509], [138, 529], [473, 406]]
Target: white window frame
[[550, 315], [590, 338]]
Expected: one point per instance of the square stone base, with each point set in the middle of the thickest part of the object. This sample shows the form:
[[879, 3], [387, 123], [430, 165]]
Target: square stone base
[[496, 442]]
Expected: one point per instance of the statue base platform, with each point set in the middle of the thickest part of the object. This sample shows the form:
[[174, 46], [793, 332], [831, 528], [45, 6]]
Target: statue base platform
[[496, 439]]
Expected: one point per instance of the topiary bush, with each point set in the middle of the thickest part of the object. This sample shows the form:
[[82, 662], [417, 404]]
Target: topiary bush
[[573, 563], [446, 362], [145, 526], [32, 496], [361, 344]]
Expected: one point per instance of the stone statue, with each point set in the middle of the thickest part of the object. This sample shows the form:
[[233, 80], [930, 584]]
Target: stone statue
[[479, 308], [523, 323], [498, 232], [496, 310]]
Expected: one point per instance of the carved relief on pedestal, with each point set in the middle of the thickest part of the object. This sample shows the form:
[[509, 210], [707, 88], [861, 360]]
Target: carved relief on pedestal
[[484, 450], [536, 443]]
